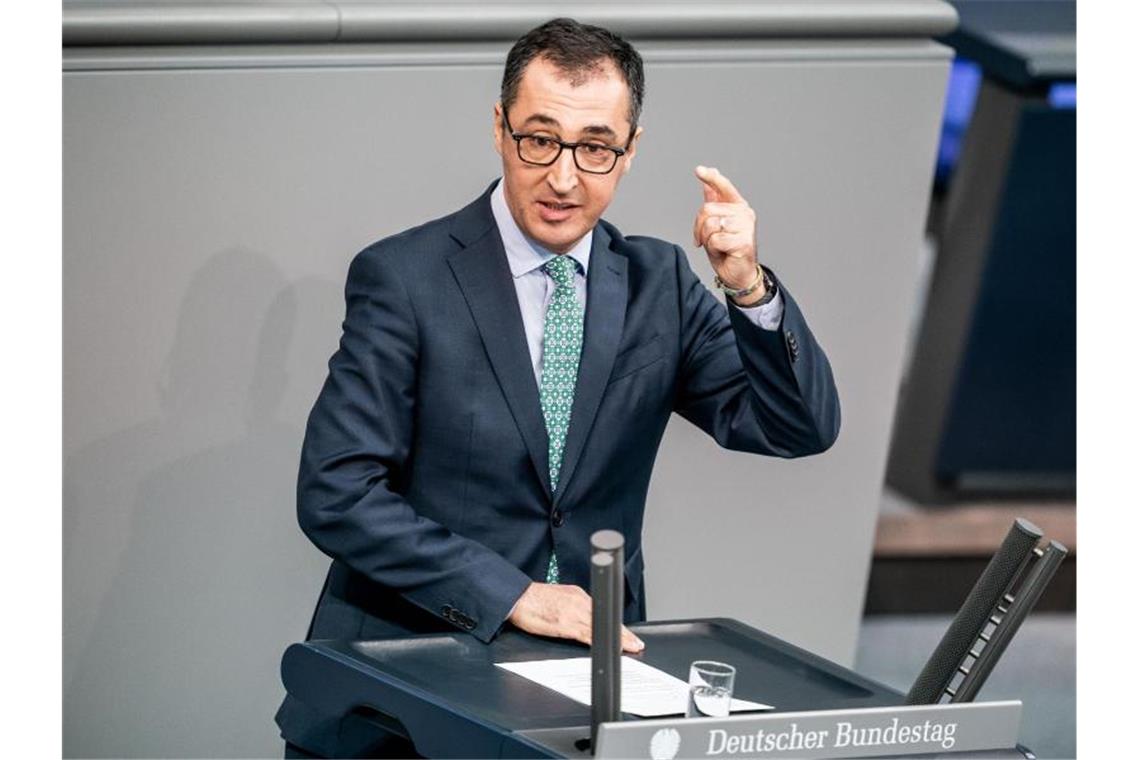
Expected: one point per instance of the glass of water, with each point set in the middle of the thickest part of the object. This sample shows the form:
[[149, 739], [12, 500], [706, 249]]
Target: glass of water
[[710, 689]]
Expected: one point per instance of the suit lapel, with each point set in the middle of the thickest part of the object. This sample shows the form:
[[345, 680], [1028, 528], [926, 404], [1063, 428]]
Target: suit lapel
[[485, 279], [607, 294]]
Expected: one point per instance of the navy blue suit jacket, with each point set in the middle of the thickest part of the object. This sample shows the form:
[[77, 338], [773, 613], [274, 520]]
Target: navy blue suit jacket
[[424, 470]]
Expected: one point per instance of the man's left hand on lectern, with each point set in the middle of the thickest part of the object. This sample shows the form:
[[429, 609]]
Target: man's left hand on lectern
[[562, 611]]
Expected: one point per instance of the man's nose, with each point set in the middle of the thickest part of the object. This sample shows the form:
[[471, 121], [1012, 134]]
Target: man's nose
[[563, 173]]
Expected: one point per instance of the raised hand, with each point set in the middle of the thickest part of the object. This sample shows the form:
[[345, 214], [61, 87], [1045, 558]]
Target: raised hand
[[726, 227]]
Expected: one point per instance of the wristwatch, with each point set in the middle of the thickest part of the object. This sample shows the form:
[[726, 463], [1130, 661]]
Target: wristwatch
[[762, 276]]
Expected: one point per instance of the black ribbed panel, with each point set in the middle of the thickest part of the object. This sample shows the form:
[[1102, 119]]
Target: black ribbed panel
[[972, 617], [1027, 595]]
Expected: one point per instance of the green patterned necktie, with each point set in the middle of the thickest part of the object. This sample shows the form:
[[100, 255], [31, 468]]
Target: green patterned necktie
[[561, 350]]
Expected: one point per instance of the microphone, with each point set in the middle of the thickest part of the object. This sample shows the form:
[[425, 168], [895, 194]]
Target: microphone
[[607, 591]]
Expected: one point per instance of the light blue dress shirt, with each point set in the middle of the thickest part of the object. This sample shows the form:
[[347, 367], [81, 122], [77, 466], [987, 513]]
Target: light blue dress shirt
[[535, 288]]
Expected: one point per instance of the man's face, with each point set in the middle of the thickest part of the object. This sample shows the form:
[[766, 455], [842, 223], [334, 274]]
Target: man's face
[[557, 205]]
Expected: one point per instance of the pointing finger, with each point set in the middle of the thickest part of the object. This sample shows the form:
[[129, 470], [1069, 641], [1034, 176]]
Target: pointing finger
[[709, 190], [725, 191]]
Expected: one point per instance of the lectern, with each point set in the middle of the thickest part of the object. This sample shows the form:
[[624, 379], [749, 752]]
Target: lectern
[[444, 693]]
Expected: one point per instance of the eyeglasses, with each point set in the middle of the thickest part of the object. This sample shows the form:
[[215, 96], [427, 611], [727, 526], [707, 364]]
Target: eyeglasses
[[543, 150]]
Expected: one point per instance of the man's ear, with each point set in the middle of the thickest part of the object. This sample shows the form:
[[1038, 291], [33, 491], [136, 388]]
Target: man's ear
[[497, 128], [631, 151]]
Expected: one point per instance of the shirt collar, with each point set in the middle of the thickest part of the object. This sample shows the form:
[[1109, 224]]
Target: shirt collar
[[523, 254]]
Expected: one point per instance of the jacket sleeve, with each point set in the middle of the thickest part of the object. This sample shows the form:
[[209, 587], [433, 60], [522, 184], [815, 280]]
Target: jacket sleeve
[[751, 389], [355, 456]]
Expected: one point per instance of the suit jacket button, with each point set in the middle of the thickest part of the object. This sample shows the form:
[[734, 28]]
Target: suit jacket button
[[447, 611], [557, 519]]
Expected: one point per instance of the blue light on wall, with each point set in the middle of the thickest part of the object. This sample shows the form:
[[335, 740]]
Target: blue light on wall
[[1063, 95], [961, 94]]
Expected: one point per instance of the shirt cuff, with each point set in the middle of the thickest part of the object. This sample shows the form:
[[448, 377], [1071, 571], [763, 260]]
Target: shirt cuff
[[766, 316]]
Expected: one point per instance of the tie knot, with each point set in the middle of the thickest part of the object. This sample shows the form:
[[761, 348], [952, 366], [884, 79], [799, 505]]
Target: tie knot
[[561, 269]]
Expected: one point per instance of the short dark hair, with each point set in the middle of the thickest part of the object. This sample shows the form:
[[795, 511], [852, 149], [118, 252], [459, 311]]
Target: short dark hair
[[578, 50]]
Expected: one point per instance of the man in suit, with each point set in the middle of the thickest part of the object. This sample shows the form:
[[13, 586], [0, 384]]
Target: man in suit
[[506, 373]]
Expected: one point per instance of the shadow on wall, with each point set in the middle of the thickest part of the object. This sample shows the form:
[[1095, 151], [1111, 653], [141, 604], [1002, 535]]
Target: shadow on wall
[[184, 568]]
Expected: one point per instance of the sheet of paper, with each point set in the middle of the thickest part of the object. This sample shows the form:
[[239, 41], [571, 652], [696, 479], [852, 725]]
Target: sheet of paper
[[645, 691]]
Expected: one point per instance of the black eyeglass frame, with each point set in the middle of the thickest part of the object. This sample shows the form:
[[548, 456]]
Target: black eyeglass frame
[[518, 137]]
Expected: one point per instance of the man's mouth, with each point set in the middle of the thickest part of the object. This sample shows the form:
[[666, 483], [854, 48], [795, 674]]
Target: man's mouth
[[553, 211]]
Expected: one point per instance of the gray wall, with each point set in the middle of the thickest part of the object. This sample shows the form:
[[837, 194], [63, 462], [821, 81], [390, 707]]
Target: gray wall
[[213, 197]]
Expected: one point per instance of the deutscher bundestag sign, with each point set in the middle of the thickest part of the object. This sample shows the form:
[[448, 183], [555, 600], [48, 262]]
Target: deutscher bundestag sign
[[872, 732]]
